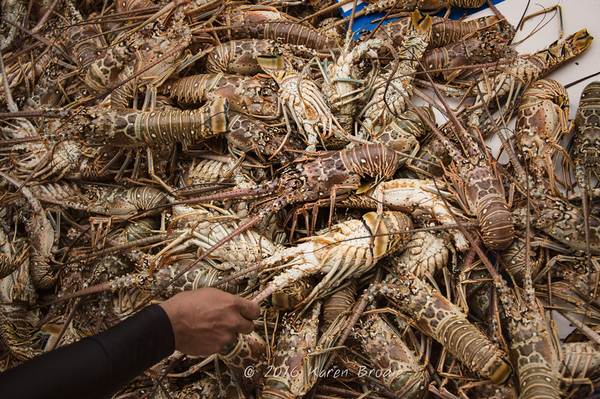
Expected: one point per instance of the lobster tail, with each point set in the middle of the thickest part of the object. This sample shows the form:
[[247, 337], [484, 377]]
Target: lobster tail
[[496, 223], [392, 359], [247, 351], [472, 347], [388, 235], [218, 115], [376, 160], [580, 41], [443, 321], [590, 97], [587, 132], [421, 21], [338, 302], [559, 52], [164, 127], [274, 65]]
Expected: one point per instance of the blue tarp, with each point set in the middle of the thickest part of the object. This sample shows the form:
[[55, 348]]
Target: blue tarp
[[364, 22]]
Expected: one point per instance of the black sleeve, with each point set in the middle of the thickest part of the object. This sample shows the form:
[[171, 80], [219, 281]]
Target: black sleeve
[[97, 366]]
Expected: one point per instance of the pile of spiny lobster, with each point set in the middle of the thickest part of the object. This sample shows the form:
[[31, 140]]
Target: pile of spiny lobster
[[150, 148]]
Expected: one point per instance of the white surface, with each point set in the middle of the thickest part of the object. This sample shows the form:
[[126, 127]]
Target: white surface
[[577, 14], [543, 30], [538, 33]]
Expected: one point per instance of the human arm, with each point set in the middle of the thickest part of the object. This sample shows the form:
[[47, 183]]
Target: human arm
[[212, 314], [98, 366]]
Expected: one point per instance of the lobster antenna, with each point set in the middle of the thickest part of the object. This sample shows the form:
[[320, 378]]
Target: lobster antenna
[[421, 229], [524, 13], [382, 20], [561, 30], [45, 17], [36, 37], [220, 196], [509, 149], [9, 100], [197, 189], [582, 79], [140, 242], [164, 10], [123, 14], [105, 286], [349, 32], [540, 25], [492, 7], [332, 7]]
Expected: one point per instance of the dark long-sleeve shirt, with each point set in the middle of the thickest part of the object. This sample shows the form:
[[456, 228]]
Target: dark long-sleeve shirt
[[97, 366]]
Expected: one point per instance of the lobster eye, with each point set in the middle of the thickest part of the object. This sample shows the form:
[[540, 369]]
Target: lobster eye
[[555, 216], [295, 183]]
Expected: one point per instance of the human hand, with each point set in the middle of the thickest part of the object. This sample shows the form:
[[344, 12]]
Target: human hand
[[206, 319]]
